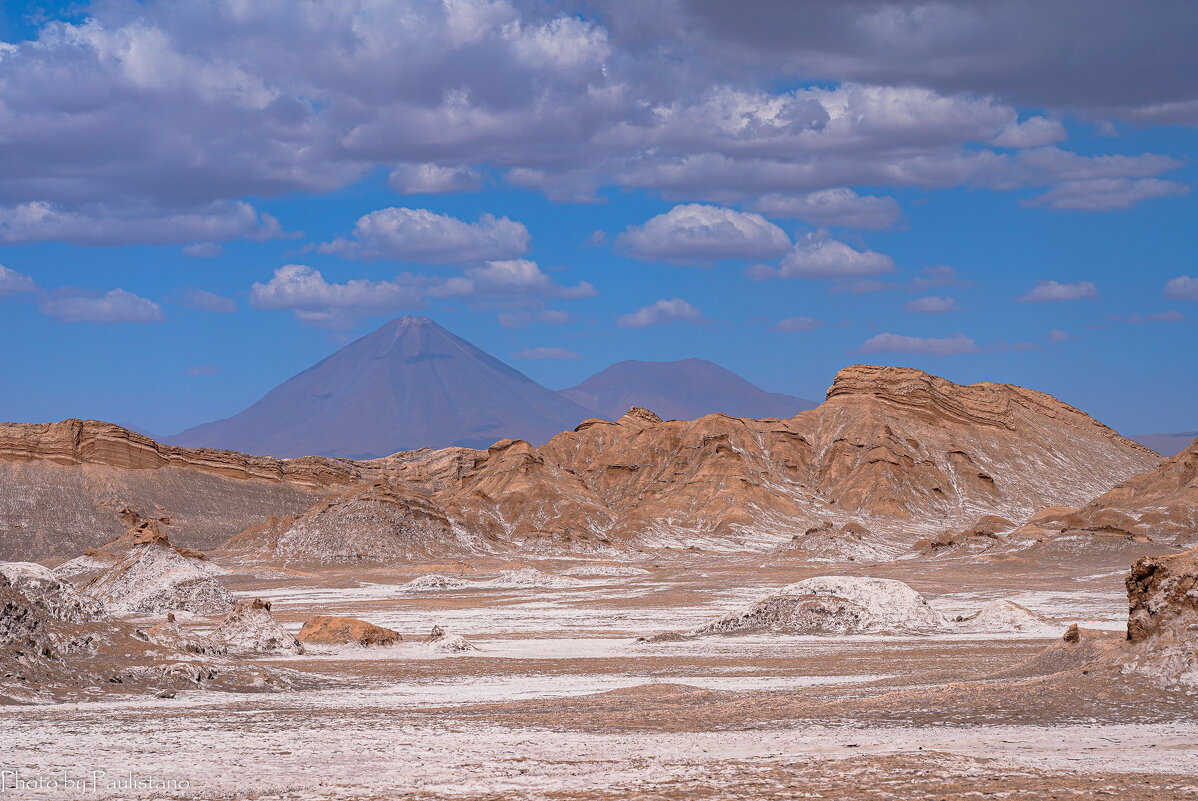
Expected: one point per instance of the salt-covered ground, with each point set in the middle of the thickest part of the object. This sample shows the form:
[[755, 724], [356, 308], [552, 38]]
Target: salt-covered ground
[[560, 700]]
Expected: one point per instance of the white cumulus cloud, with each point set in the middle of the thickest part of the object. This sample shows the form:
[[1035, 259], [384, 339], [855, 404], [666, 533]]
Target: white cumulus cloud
[[1183, 287], [819, 256], [663, 311], [791, 324], [422, 235], [1053, 290], [839, 206], [433, 179], [114, 306], [699, 233], [896, 343], [933, 304], [12, 282]]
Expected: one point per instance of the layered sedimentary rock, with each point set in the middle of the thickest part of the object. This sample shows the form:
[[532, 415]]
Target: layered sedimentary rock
[[896, 453], [77, 484]]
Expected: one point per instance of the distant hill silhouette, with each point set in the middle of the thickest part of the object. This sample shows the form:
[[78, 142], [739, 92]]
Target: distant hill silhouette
[[408, 385], [1167, 444], [681, 390]]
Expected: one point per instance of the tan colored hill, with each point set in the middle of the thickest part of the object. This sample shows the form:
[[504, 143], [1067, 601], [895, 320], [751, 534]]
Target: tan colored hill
[[892, 452], [77, 484], [1160, 505]]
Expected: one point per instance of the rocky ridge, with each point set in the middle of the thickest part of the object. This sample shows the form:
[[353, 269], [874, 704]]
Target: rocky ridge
[[78, 484], [896, 453]]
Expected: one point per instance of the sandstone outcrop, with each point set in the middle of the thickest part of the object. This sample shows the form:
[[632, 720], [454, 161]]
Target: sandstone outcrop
[[251, 629], [897, 451], [325, 630]]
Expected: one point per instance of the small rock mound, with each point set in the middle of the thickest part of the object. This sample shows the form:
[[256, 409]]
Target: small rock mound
[[529, 578], [1162, 620], [169, 635], [441, 640], [326, 630], [833, 605], [433, 582], [58, 598], [379, 522], [251, 629], [850, 542], [1005, 616], [155, 578], [609, 571], [981, 536]]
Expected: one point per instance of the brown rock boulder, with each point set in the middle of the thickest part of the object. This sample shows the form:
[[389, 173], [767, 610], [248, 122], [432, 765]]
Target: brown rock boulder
[[1162, 593], [325, 630]]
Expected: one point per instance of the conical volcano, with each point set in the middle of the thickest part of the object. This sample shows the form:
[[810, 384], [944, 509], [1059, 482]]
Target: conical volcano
[[410, 384]]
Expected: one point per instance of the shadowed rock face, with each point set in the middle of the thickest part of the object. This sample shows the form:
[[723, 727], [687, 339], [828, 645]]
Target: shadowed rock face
[[681, 390], [1162, 594], [410, 384], [896, 452]]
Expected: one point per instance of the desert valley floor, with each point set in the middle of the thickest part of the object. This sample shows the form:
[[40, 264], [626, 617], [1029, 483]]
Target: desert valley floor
[[560, 700]]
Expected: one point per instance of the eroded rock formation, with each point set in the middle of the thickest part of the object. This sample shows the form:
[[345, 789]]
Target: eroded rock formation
[[325, 630]]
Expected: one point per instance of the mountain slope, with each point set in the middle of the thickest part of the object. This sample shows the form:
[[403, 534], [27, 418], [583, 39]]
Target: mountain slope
[[892, 452], [681, 390], [1160, 505], [410, 384]]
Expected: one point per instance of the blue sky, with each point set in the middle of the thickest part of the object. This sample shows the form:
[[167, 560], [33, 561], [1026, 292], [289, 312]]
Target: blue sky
[[606, 186]]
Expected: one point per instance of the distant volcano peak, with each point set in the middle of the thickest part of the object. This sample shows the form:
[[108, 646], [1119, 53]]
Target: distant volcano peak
[[409, 384]]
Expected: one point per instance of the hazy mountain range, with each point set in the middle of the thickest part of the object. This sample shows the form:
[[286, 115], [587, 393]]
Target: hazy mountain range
[[413, 384]]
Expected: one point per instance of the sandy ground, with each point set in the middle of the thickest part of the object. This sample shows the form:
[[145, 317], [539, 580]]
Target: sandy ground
[[560, 701]]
